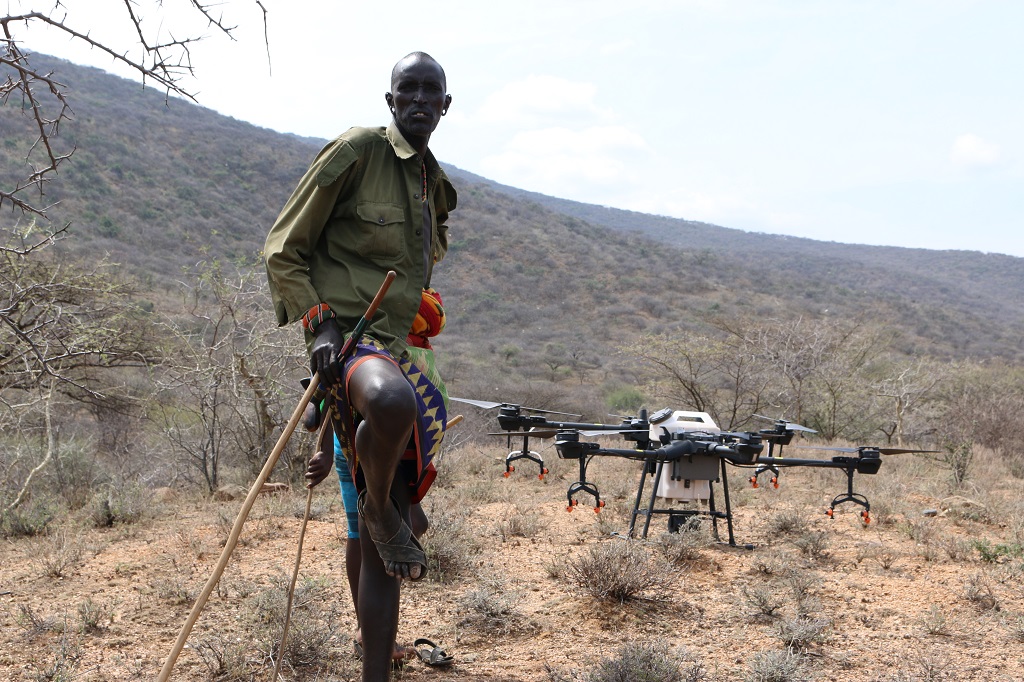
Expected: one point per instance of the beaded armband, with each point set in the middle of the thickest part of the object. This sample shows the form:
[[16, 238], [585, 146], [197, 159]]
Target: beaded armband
[[316, 316]]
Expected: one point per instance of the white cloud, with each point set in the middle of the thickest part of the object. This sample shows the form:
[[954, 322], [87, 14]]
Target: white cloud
[[619, 47], [971, 151], [541, 100], [580, 164]]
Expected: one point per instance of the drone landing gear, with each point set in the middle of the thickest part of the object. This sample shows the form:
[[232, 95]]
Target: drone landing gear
[[583, 486], [525, 453], [852, 497], [680, 518]]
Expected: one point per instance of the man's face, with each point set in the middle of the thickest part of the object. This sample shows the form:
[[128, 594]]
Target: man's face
[[418, 96]]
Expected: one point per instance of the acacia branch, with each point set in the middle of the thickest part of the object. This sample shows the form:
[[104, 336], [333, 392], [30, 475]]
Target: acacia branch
[[165, 62]]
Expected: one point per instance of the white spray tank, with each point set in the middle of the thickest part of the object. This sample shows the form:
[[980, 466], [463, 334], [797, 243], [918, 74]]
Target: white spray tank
[[688, 478]]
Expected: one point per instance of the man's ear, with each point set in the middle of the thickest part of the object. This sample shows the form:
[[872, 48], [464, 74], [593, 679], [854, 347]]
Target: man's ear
[[447, 103], [389, 98]]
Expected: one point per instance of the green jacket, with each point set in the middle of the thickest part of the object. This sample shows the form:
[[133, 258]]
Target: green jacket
[[357, 213]]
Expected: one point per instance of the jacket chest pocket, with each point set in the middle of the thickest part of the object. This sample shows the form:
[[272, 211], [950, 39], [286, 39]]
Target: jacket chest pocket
[[377, 234]]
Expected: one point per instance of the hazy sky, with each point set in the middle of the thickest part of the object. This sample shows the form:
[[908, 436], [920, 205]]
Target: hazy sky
[[897, 122]]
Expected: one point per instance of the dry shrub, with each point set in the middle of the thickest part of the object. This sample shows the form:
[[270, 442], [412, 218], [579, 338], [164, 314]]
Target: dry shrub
[[31, 518], [64, 659], [801, 632], [776, 666], [647, 662], [802, 585], [687, 546], [226, 660], [764, 601], [813, 545], [936, 622], [979, 592], [1017, 629], [315, 621], [787, 523], [61, 552], [120, 504], [35, 623], [618, 572], [772, 563], [957, 549], [449, 544], [458, 462], [519, 524], [95, 617], [492, 608]]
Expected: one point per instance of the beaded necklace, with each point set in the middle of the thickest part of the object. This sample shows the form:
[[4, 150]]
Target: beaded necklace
[[423, 169]]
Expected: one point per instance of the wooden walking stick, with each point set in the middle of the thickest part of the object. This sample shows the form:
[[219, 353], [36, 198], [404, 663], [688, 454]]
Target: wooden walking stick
[[236, 530], [298, 558]]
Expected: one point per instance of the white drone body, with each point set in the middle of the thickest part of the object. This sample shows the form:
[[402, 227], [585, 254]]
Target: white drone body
[[688, 478]]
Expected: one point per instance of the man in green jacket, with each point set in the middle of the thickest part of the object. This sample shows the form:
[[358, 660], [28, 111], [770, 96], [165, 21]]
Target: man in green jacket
[[375, 200]]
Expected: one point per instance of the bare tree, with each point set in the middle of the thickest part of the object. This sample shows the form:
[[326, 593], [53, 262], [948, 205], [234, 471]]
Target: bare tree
[[719, 376], [147, 46], [824, 370], [220, 376], [907, 385]]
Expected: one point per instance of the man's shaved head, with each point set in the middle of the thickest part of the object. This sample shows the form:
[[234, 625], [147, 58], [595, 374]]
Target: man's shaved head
[[411, 58]]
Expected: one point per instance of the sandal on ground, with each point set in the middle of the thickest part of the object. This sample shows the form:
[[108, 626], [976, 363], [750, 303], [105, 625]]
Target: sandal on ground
[[432, 654], [402, 547]]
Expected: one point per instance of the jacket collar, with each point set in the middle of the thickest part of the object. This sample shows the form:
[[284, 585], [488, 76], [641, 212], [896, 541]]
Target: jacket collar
[[404, 150]]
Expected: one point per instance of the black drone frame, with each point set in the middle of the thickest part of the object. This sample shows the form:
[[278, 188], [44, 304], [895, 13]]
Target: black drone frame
[[703, 454]]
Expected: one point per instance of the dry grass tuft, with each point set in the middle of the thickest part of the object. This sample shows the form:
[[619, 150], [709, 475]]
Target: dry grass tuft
[[776, 666], [493, 608], [450, 548], [61, 553], [647, 662], [618, 571]]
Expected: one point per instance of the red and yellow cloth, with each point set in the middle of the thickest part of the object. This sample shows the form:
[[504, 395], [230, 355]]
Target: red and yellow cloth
[[430, 320]]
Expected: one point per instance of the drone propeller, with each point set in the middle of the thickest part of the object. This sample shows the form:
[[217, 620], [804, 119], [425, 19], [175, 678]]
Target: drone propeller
[[536, 433], [548, 433], [610, 432], [869, 448], [489, 405], [786, 424]]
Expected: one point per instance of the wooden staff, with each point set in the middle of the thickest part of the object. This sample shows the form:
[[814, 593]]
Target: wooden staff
[[243, 514]]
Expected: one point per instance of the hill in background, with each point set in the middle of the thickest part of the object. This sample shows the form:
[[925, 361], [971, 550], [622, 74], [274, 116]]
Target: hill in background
[[158, 185]]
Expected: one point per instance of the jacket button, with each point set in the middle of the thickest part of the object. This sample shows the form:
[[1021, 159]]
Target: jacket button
[[419, 232], [380, 220], [415, 196]]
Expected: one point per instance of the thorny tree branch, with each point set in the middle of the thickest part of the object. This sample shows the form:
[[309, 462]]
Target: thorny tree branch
[[166, 62]]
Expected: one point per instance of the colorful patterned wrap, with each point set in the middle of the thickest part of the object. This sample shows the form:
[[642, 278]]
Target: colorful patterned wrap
[[430, 320], [417, 365]]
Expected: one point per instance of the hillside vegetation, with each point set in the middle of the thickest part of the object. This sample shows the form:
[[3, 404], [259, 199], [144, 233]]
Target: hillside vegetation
[[158, 185]]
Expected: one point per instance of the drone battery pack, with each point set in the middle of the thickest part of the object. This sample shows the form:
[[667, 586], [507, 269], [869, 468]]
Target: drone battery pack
[[688, 478], [687, 489]]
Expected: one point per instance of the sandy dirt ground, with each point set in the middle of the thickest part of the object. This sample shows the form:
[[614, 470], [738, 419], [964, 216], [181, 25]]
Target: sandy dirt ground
[[909, 597]]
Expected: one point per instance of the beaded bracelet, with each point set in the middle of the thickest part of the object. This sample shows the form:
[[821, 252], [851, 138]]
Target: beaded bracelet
[[316, 316]]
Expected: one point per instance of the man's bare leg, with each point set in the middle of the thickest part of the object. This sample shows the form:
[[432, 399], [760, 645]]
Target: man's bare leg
[[379, 601], [381, 394]]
